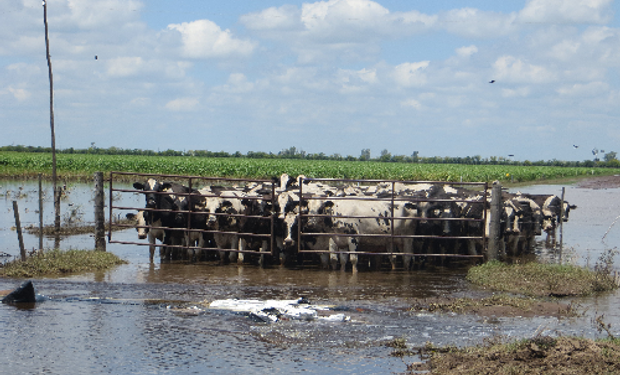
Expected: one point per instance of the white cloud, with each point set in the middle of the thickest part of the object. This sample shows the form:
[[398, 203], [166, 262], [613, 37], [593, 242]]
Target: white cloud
[[19, 94], [182, 104], [512, 69], [237, 83], [411, 103], [339, 24], [410, 74], [521, 92], [584, 90], [204, 39], [566, 11], [125, 66], [93, 15], [282, 18], [470, 22], [466, 51]]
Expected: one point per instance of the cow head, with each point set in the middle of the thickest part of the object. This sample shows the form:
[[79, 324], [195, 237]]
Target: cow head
[[290, 227], [288, 201], [151, 189], [141, 224]]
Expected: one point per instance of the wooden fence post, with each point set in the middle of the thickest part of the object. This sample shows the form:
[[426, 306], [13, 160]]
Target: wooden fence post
[[494, 224], [99, 213], [18, 227], [40, 213]]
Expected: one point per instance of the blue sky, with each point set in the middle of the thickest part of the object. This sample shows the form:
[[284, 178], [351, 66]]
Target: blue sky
[[334, 76]]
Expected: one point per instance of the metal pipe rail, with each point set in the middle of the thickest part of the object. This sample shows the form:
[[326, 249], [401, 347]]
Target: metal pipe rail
[[393, 197]]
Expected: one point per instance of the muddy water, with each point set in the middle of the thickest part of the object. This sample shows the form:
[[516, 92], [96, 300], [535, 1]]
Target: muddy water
[[144, 321]]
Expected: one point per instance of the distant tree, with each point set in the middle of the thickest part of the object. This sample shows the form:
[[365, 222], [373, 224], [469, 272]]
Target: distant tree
[[385, 156], [365, 155], [611, 155], [415, 157]]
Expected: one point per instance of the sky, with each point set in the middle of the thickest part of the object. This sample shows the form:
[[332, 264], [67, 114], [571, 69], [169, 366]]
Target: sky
[[332, 77]]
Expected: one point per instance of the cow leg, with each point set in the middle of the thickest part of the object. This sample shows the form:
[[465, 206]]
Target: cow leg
[[352, 257], [333, 257], [407, 248], [264, 249], [240, 255], [189, 241], [220, 242], [152, 246]]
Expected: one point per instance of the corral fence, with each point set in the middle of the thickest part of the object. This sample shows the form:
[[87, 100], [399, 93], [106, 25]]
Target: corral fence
[[192, 183], [118, 186], [392, 196]]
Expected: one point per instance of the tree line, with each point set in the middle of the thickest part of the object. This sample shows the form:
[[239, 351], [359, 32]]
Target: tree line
[[609, 159]]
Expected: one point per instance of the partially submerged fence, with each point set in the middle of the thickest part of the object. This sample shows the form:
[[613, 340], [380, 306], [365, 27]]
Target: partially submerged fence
[[394, 198], [390, 194], [193, 183]]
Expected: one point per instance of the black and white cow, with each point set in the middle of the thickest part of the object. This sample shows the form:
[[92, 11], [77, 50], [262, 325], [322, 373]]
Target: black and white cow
[[224, 213], [171, 204], [553, 211], [148, 229], [363, 220], [163, 206]]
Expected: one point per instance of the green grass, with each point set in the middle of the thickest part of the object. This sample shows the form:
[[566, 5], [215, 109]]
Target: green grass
[[59, 263], [535, 279], [82, 166]]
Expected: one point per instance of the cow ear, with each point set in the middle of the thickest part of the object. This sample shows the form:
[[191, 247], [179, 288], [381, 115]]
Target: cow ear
[[166, 185], [326, 205], [572, 206], [138, 186], [411, 206]]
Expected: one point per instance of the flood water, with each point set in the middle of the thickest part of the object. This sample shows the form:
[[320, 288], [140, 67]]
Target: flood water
[[141, 318]]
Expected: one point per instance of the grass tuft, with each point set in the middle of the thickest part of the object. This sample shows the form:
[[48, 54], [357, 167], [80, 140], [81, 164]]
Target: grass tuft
[[535, 279], [58, 263]]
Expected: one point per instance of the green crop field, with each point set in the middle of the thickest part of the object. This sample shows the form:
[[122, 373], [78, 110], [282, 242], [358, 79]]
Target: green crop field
[[82, 166]]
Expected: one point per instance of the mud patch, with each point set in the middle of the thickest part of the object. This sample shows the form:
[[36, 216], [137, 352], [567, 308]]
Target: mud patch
[[602, 182]]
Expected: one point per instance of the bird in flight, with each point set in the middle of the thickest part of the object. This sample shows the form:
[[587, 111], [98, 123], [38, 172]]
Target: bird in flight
[[575, 146], [492, 81]]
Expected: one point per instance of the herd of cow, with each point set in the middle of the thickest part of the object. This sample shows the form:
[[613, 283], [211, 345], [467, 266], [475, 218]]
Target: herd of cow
[[338, 225]]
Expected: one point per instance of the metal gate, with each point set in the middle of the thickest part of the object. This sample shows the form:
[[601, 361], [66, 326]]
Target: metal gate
[[193, 183], [392, 196], [389, 194]]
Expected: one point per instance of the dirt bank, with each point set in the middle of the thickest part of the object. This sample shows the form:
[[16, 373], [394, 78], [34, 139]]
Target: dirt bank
[[540, 355]]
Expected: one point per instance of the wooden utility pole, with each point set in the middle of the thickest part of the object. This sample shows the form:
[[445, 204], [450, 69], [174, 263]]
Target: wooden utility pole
[[54, 177]]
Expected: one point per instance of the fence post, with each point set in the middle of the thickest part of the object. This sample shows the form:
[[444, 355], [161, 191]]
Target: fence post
[[40, 213], [99, 213], [18, 227], [494, 224]]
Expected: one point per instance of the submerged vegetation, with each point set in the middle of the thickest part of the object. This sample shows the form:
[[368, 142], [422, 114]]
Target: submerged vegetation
[[535, 279], [59, 263], [82, 166]]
